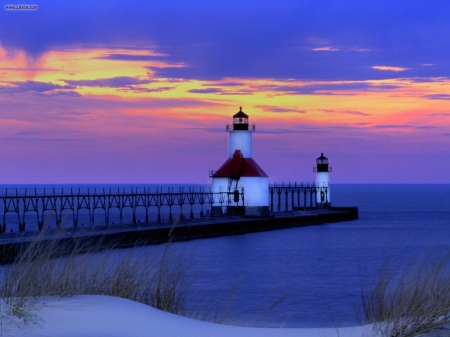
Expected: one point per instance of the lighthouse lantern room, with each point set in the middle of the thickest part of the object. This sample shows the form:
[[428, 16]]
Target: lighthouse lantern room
[[240, 176], [322, 170], [240, 135]]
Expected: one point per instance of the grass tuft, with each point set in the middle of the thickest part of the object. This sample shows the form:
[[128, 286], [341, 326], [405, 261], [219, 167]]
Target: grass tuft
[[88, 268], [409, 301]]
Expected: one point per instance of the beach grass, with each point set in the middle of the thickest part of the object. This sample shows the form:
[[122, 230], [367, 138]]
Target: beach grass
[[410, 300], [160, 279], [49, 268]]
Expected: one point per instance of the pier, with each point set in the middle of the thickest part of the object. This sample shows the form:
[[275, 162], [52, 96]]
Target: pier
[[180, 229], [167, 214], [40, 208]]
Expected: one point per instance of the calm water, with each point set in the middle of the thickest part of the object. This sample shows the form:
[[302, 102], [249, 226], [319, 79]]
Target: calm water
[[318, 269]]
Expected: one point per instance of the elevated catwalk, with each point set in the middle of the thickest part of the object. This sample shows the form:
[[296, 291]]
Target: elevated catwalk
[[38, 209]]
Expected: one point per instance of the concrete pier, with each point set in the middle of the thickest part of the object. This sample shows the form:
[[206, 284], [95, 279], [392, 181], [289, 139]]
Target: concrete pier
[[123, 236]]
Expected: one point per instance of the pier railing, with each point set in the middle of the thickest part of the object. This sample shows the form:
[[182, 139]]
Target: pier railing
[[53, 206], [37, 208], [295, 196]]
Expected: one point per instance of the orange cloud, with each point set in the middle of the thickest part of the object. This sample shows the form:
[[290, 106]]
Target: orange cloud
[[112, 74], [389, 68]]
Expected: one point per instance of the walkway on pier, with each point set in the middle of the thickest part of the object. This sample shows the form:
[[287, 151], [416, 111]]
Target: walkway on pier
[[177, 230]]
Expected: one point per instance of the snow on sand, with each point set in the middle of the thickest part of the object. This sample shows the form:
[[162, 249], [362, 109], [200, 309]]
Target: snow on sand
[[104, 316]]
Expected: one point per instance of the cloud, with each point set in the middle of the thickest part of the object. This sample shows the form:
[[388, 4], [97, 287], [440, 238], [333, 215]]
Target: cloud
[[389, 68], [328, 88], [113, 82], [28, 133], [232, 39], [40, 139], [159, 89], [35, 136], [341, 48], [46, 111], [236, 93], [345, 112], [59, 93], [28, 69], [221, 91], [427, 79], [128, 57], [426, 127], [438, 96], [362, 124], [325, 49], [440, 114], [392, 126], [71, 115], [230, 84], [276, 109], [206, 91], [205, 129], [32, 86], [273, 131], [361, 50]]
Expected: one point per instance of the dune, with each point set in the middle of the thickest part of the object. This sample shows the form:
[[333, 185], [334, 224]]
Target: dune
[[106, 316]]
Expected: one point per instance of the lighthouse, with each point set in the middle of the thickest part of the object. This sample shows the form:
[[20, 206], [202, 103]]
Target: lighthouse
[[322, 170], [244, 181]]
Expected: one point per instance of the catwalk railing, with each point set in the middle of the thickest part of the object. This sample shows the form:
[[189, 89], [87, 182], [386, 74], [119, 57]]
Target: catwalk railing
[[295, 196], [37, 208]]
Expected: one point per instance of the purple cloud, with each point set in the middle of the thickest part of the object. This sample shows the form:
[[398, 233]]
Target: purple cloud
[[272, 131], [276, 44], [206, 91], [32, 86], [113, 82], [35, 136], [326, 89], [438, 96], [27, 69], [159, 89], [270, 108], [392, 126], [230, 84], [426, 127], [440, 114], [127, 57]]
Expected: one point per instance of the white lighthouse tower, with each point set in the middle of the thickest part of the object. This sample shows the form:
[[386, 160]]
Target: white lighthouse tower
[[240, 135], [322, 170], [240, 176]]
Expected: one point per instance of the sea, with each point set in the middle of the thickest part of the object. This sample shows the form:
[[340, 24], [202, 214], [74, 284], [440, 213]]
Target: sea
[[313, 276]]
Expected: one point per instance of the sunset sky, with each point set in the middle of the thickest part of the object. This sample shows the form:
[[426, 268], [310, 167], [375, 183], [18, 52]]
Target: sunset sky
[[141, 91]]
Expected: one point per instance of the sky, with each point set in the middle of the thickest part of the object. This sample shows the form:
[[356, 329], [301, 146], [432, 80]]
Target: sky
[[137, 92]]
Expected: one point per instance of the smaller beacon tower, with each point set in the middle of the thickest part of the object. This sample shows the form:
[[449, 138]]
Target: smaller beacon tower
[[323, 170]]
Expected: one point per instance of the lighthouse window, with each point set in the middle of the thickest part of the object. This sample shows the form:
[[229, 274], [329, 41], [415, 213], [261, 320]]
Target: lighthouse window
[[240, 120]]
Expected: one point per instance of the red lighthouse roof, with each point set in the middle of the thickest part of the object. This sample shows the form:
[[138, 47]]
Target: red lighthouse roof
[[238, 166]]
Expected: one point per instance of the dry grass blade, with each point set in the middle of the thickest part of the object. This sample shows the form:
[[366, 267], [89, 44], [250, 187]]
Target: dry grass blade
[[410, 302]]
